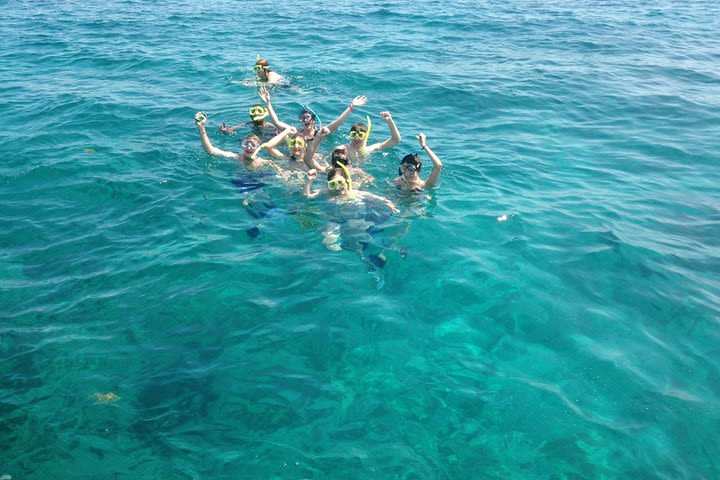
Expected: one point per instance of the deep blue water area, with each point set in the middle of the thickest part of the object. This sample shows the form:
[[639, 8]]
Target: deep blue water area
[[550, 311]]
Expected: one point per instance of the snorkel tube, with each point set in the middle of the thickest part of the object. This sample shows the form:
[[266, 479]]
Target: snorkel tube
[[347, 175], [257, 59], [367, 134]]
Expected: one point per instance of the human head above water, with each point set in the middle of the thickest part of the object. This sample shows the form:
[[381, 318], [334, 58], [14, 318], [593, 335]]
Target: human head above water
[[258, 113], [250, 143], [339, 180], [296, 144], [339, 154], [262, 67], [360, 134], [307, 117], [410, 160]]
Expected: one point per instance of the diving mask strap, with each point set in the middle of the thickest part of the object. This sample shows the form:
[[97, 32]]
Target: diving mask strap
[[347, 175]]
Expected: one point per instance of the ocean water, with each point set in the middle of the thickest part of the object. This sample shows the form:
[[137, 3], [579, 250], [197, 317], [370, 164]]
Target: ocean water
[[551, 311]]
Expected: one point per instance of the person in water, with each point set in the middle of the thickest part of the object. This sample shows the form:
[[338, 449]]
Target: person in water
[[339, 158], [263, 72], [257, 124], [251, 145], [409, 169], [301, 150], [308, 118], [340, 188], [358, 148]]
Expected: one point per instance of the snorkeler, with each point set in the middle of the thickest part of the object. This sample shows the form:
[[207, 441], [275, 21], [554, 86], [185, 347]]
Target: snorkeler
[[251, 145], [360, 134], [301, 150], [339, 158], [409, 169], [308, 118], [264, 74], [340, 188], [257, 124]]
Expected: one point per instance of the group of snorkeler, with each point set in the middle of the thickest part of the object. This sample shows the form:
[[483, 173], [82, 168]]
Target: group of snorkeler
[[300, 159]]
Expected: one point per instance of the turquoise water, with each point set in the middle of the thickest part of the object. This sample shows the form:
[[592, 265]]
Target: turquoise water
[[578, 339]]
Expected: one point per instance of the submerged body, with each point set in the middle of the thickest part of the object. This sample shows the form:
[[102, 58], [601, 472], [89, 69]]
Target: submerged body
[[351, 230]]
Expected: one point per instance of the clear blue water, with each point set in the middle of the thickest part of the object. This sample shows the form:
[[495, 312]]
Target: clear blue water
[[576, 340]]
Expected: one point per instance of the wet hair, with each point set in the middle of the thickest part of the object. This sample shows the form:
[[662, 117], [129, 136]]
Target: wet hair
[[411, 159], [264, 63], [358, 127], [335, 172]]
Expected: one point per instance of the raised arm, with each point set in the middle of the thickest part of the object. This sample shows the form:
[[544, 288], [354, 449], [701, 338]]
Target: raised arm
[[432, 180], [390, 142], [312, 148], [356, 102], [275, 141], [229, 130], [265, 96], [307, 188], [274, 152], [200, 121]]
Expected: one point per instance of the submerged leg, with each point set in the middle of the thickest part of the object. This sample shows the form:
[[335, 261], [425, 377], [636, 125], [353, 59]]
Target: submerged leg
[[331, 236], [253, 232]]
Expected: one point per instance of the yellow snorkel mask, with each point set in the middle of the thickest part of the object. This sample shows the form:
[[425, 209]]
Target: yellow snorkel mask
[[297, 142], [355, 135], [337, 184], [258, 113]]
